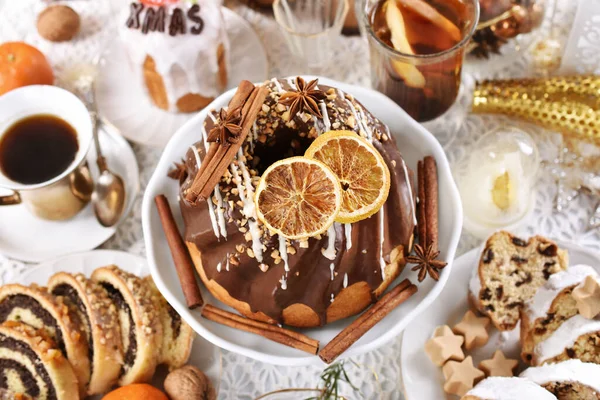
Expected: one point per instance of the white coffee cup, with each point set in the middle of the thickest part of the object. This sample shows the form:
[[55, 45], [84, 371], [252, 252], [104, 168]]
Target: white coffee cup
[[66, 194]]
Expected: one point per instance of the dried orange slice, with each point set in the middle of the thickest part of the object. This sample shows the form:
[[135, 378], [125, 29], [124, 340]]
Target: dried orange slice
[[298, 197], [361, 170]]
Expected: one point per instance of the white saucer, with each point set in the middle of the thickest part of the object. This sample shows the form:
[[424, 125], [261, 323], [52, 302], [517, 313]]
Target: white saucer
[[28, 238], [123, 100], [204, 355], [422, 379]]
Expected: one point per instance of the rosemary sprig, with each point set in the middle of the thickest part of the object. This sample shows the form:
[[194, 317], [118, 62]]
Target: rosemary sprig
[[331, 377]]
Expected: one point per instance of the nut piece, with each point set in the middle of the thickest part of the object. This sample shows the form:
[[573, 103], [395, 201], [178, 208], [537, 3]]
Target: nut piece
[[58, 23], [189, 383]]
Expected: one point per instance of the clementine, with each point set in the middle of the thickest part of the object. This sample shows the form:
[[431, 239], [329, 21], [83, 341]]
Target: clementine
[[23, 65], [136, 391]]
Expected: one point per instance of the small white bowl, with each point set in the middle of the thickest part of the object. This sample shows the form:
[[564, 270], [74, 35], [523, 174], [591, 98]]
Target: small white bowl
[[413, 141]]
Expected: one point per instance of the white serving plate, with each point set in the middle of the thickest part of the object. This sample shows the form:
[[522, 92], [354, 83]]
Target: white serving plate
[[414, 142], [204, 355], [422, 379]]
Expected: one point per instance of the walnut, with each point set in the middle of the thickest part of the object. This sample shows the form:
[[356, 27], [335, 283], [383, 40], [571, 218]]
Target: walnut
[[189, 383], [58, 23]]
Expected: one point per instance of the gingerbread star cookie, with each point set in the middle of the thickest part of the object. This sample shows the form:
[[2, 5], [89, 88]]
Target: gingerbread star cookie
[[499, 365], [587, 296], [461, 376], [444, 346], [474, 329]]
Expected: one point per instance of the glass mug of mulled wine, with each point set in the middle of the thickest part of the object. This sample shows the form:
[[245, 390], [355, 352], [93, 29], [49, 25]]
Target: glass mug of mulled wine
[[417, 49], [45, 135]]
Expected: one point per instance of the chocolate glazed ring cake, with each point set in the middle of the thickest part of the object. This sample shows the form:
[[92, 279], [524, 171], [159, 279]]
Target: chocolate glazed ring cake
[[33, 365], [309, 282], [177, 335], [141, 330], [95, 309], [36, 307]]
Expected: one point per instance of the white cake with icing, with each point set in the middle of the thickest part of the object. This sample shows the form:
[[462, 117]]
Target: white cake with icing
[[178, 49], [501, 388], [550, 321], [570, 379]]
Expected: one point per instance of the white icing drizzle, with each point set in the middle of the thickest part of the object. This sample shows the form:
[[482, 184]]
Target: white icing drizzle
[[211, 210], [253, 136], [332, 269], [290, 82], [410, 192], [330, 252], [345, 281], [565, 336], [220, 212], [567, 371], [248, 209], [540, 304], [348, 234], [187, 63], [219, 267], [381, 234], [283, 252], [227, 264], [365, 123], [277, 85], [326, 120], [361, 125], [501, 388], [316, 125], [283, 282], [332, 298]]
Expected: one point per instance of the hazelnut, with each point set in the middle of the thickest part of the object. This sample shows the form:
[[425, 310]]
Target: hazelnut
[[189, 383], [58, 23]]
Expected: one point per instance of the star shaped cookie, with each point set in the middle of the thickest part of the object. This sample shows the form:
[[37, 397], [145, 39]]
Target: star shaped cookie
[[587, 296], [474, 329], [499, 365], [444, 346], [461, 376]]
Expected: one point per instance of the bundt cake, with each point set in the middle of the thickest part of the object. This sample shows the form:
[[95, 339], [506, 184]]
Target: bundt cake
[[33, 365], [100, 319], [509, 273], [551, 306], [36, 307], [179, 50], [568, 380], [141, 328], [499, 388], [306, 282]]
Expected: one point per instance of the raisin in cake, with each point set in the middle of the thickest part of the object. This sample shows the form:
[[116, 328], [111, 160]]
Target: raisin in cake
[[500, 388], [568, 380], [550, 307], [98, 313], [32, 364], [141, 329], [36, 307], [509, 273]]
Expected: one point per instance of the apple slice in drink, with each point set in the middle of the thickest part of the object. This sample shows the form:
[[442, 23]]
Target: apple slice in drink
[[429, 13], [395, 21]]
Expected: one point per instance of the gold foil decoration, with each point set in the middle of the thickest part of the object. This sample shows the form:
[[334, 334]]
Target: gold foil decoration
[[568, 104]]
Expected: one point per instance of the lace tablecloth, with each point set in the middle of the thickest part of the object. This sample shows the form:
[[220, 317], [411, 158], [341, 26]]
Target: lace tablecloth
[[377, 374]]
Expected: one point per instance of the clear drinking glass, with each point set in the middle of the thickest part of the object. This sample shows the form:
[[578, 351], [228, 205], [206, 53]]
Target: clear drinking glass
[[311, 27], [415, 60]]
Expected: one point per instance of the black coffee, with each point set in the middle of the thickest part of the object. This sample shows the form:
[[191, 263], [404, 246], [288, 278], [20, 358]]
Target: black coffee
[[37, 149]]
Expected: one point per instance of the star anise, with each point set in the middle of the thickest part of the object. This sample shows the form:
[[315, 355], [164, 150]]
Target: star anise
[[427, 262], [228, 129], [304, 98], [178, 172]]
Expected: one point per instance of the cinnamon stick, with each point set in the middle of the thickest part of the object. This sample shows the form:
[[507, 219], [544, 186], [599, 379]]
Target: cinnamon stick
[[180, 254], [431, 202], [366, 321], [271, 332], [421, 219], [347, 337]]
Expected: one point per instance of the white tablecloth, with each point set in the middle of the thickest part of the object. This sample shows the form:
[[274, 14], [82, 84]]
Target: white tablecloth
[[378, 373]]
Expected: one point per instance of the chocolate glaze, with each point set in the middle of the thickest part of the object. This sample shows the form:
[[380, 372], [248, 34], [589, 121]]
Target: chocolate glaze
[[175, 321], [69, 292], [309, 278], [29, 303], [120, 302], [25, 376]]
